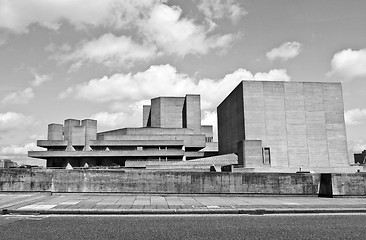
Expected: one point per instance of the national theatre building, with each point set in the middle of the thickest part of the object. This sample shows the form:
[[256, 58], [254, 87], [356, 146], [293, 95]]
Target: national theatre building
[[171, 131], [267, 126]]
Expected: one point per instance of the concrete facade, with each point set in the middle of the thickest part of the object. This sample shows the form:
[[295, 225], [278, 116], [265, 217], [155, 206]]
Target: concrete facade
[[164, 182], [284, 125], [172, 132]]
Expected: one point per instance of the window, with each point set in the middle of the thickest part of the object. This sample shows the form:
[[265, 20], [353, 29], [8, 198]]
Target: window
[[266, 156]]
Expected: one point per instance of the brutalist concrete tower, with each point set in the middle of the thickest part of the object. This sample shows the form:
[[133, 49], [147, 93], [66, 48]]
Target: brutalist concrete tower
[[279, 125]]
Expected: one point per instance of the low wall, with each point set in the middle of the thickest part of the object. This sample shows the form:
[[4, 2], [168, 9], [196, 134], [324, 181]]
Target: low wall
[[157, 182], [56, 180], [349, 184]]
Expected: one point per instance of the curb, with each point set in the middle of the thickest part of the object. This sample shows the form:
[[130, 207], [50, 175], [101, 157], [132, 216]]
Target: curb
[[179, 211]]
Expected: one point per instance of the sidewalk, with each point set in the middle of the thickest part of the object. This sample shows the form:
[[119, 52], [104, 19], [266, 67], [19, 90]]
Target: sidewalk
[[94, 203]]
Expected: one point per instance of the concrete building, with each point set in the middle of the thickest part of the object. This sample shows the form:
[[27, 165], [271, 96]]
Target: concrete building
[[284, 126], [360, 158], [7, 163], [171, 131]]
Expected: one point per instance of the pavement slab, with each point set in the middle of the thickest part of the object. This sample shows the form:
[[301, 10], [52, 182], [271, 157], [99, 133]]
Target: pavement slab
[[88, 203]]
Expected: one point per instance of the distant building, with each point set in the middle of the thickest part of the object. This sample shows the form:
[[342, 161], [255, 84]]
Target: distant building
[[360, 158], [284, 126], [171, 131], [7, 163]]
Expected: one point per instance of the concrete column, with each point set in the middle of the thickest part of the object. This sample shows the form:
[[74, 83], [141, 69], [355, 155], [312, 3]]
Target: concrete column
[[90, 132], [146, 116], [68, 126], [192, 113], [155, 109], [55, 131], [69, 123]]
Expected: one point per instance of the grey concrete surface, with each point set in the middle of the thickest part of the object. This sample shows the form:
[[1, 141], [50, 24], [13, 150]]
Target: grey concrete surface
[[81, 203], [301, 122], [168, 119]]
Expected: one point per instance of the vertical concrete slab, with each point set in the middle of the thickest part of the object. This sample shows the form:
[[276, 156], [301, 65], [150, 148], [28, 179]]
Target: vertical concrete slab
[[275, 123], [55, 132], [78, 136], [335, 124], [155, 112], [297, 144], [90, 126], [69, 123], [230, 114], [315, 123], [254, 111], [192, 113], [146, 116]]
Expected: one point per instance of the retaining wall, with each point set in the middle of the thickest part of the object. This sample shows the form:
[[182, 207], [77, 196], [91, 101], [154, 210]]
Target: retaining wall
[[175, 182]]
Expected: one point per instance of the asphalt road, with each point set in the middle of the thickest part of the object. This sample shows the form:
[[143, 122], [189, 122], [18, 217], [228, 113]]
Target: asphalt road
[[184, 227]]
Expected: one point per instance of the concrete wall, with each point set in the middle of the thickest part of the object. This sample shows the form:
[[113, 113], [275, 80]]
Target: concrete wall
[[349, 184], [301, 122], [55, 132], [69, 123], [335, 125], [192, 113], [78, 136], [250, 153], [230, 121], [166, 112], [90, 126], [156, 182], [190, 139], [275, 122], [315, 125], [176, 182], [146, 119], [90, 129], [297, 144]]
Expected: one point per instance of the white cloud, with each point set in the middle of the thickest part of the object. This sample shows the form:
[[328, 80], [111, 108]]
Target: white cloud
[[286, 51], [109, 50], [107, 120], [156, 24], [349, 63], [355, 116], [218, 9], [158, 29], [164, 80], [19, 97], [19, 149], [176, 35], [12, 120], [357, 146], [40, 79], [17, 16]]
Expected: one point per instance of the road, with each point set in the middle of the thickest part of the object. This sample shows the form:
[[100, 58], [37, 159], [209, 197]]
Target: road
[[211, 227]]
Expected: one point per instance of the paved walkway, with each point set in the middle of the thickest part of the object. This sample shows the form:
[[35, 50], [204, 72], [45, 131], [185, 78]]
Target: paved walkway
[[88, 203]]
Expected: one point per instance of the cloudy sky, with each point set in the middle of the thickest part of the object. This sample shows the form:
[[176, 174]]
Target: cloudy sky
[[103, 59]]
